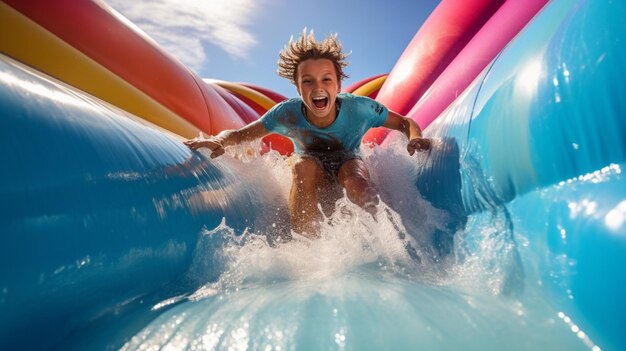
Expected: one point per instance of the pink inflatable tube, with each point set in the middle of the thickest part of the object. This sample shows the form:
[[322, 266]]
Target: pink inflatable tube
[[446, 31], [476, 55]]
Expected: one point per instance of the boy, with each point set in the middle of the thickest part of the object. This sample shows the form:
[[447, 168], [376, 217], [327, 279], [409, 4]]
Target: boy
[[326, 127]]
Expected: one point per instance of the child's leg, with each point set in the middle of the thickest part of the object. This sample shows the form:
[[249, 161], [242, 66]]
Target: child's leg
[[356, 179], [308, 179]]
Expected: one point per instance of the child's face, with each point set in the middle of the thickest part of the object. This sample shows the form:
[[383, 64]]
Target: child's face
[[318, 86]]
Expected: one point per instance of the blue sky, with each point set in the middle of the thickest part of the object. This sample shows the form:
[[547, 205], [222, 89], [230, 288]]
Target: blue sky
[[239, 40]]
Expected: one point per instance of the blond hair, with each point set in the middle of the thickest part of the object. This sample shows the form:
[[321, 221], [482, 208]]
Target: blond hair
[[306, 47]]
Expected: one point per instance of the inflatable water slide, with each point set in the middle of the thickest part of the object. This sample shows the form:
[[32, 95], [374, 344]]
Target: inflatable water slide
[[510, 233]]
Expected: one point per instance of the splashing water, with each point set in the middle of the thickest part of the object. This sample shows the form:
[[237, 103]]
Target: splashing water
[[370, 282]]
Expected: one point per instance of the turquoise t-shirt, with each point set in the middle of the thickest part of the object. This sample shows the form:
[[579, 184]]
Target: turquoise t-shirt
[[357, 114]]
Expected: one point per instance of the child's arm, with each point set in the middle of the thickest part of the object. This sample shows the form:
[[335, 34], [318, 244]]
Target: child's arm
[[252, 131], [410, 129]]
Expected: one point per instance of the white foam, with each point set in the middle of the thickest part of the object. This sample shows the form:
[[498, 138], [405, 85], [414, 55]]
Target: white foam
[[397, 239], [368, 282]]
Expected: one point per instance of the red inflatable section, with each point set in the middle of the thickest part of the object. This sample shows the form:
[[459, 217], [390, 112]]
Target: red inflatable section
[[106, 37], [277, 142], [96, 30], [241, 108], [448, 29]]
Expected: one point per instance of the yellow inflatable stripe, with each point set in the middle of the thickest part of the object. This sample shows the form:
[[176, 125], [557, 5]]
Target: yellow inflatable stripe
[[28, 42], [370, 87], [95, 100], [251, 94]]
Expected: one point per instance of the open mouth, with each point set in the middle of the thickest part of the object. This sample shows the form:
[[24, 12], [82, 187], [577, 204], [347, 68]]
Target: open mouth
[[320, 102]]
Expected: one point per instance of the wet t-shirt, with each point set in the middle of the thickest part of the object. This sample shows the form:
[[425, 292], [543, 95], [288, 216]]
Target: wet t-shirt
[[357, 114]]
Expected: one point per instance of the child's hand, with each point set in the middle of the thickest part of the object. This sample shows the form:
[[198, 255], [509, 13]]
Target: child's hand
[[213, 143], [418, 144]]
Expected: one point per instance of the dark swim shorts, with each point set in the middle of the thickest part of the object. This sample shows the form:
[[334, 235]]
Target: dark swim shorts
[[332, 161]]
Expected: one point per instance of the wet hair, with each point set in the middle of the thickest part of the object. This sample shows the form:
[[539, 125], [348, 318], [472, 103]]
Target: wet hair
[[306, 47]]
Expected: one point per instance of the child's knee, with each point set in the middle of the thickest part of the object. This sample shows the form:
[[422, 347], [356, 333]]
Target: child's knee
[[360, 190], [306, 169]]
